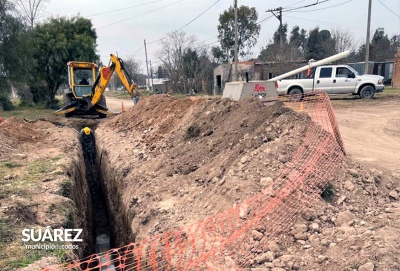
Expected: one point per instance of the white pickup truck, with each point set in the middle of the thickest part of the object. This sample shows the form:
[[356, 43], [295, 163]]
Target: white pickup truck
[[333, 79]]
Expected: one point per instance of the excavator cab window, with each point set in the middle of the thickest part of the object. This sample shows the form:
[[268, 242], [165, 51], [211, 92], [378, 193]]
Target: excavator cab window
[[83, 81]]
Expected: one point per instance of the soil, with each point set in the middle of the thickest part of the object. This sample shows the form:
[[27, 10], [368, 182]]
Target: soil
[[182, 160]]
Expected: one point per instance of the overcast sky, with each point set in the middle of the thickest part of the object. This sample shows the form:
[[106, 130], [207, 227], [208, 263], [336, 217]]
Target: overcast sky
[[123, 25]]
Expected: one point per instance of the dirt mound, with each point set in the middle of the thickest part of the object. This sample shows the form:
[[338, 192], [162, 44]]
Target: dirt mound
[[216, 153], [177, 161]]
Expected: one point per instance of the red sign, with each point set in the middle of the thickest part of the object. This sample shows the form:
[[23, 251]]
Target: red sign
[[259, 88], [106, 72]]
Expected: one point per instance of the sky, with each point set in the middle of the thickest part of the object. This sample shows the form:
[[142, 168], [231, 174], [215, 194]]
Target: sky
[[122, 26]]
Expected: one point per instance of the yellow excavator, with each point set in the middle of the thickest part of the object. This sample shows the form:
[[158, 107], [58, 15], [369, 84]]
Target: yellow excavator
[[84, 95]]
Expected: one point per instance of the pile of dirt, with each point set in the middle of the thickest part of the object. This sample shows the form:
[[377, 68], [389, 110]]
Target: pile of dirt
[[177, 161]]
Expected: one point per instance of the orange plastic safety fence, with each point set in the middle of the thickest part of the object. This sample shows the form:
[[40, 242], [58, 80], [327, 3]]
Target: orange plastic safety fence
[[225, 241]]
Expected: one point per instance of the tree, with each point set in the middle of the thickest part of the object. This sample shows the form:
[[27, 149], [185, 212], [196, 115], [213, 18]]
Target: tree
[[278, 33], [56, 42], [219, 55], [132, 67], [285, 56], [31, 10], [14, 52], [320, 44], [380, 46], [173, 48], [248, 30], [298, 38], [344, 40]]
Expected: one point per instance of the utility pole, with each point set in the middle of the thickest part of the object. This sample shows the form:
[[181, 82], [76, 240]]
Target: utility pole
[[151, 74], [147, 67], [279, 17], [236, 41], [368, 37]]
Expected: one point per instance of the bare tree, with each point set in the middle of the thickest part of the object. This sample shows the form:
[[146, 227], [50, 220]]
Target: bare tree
[[31, 10], [171, 54], [344, 40], [132, 67]]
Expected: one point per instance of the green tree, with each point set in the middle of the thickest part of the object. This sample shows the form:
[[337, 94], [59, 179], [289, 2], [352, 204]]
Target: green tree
[[219, 55], [277, 35], [298, 38], [56, 42], [380, 46], [320, 44], [14, 52], [285, 56], [248, 30]]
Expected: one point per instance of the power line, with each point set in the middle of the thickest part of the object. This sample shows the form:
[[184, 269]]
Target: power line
[[295, 3], [263, 20], [186, 23], [389, 9], [324, 22], [138, 50], [116, 10], [307, 6], [140, 14], [321, 8]]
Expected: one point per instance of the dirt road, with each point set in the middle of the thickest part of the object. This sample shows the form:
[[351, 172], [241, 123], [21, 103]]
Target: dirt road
[[371, 130], [115, 104]]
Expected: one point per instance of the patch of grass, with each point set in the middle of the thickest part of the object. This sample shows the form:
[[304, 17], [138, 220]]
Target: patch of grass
[[22, 257], [33, 113], [40, 167], [10, 164], [66, 188], [56, 158], [390, 90], [6, 231]]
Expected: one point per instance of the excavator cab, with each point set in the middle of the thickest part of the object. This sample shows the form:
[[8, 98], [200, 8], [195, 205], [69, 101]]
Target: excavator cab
[[81, 76]]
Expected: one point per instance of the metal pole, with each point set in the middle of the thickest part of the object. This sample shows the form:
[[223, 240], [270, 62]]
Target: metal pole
[[280, 27], [147, 67], [368, 37], [151, 74], [236, 42]]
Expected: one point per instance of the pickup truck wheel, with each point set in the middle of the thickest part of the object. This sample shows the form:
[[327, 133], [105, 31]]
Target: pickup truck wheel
[[295, 95], [367, 92]]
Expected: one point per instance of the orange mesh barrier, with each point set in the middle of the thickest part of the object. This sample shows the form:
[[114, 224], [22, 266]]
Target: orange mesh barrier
[[225, 241]]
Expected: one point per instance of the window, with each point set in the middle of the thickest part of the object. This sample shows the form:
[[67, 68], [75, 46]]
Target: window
[[342, 72], [325, 73]]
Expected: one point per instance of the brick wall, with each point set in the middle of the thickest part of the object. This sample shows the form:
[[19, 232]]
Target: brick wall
[[396, 69]]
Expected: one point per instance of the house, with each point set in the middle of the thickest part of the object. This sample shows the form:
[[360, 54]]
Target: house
[[157, 84]]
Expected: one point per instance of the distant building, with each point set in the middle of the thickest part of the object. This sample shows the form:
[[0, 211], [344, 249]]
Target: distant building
[[161, 84]]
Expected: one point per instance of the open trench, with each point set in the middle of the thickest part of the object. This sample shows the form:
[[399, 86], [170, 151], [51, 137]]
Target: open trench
[[98, 210]]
